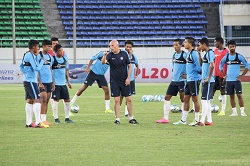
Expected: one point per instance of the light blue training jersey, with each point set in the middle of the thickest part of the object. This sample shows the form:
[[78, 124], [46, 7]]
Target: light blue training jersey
[[233, 65], [179, 66], [193, 67], [133, 62], [30, 66], [206, 60], [45, 73], [98, 68], [59, 67]]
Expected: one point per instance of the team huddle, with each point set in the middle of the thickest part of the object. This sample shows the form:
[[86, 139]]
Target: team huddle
[[46, 77], [217, 70]]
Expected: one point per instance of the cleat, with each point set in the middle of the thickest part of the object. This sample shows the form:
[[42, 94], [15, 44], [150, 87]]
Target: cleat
[[57, 121], [117, 122], [191, 111], [46, 122], [71, 114], [209, 123], [234, 114], [193, 123], [44, 125], [222, 113], [109, 111], [243, 114], [133, 121], [67, 120], [200, 124], [180, 122], [162, 120], [29, 125]]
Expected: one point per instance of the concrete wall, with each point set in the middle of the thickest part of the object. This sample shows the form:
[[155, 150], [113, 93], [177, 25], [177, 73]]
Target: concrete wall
[[236, 14], [144, 54]]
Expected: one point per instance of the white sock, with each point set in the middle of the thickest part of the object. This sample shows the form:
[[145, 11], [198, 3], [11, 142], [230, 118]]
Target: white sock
[[193, 107], [204, 105], [242, 110], [107, 104], [130, 117], [184, 116], [43, 117], [166, 108], [66, 109], [28, 110], [182, 106], [223, 102], [73, 100], [37, 112], [234, 110], [55, 109], [126, 110], [51, 102], [209, 113], [118, 119], [196, 116]]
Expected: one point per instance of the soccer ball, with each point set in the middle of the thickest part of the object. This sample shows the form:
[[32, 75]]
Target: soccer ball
[[220, 98], [145, 98], [151, 97], [159, 98], [174, 108], [74, 108], [215, 108]]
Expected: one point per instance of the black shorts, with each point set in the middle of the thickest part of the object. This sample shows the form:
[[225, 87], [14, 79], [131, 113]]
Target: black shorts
[[175, 87], [60, 92], [92, 77], [47, 87], [218, 83], [132, 87], [192, 88], [207, 91], [119, 89], [232, 87], [31, 90]]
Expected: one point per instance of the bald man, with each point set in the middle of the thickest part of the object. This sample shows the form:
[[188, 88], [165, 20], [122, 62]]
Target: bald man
[[120, 72]]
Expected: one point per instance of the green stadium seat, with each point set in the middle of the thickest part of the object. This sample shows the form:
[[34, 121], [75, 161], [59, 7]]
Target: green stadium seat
[[19, 17], [30, 28], [22, 28], [46, 33], [34, 17], [37, 28], [7, 23], [39, 33], [44, 28], [40, 17], [2, 6], [9, 33], [4, 12], [18, 12], [32, 33], [26, 17]]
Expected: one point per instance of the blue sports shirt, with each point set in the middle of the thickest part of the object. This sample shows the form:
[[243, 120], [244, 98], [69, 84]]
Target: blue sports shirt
[[206, 60], [193, 67], [30, 66], [45, 73], [179, 66], [98, 68], [233, 65], [59, 70]]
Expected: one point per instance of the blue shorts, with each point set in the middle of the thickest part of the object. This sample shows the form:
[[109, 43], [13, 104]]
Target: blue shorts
[[92, 77], [232, 87], [60, 92], [207, 91], [47, 87], [218, 83], [119, 89], [31, 90], [175, 87], [192, 88]]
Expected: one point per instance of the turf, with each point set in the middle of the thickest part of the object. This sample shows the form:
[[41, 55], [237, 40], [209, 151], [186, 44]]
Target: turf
[[95, 140]]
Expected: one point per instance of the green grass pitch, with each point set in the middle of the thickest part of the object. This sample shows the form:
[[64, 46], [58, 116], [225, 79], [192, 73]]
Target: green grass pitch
[[95, 140]]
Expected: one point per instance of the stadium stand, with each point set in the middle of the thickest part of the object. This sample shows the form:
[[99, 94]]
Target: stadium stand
[[134, 19], [29, 22]]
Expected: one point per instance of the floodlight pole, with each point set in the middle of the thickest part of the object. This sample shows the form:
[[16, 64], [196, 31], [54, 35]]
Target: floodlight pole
[[74, 30], [13, 32]]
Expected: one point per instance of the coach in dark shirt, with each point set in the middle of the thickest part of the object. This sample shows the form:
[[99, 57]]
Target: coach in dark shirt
[[120, 71]]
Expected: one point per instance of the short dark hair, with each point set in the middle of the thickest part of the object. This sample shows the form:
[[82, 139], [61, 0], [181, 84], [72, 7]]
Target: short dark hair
[[129, 42], [54, 39], [204, 40], [57, 47], [33, 43], [231, 42], [46, 42], [190, 40], [219, 39], [178, 40]]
